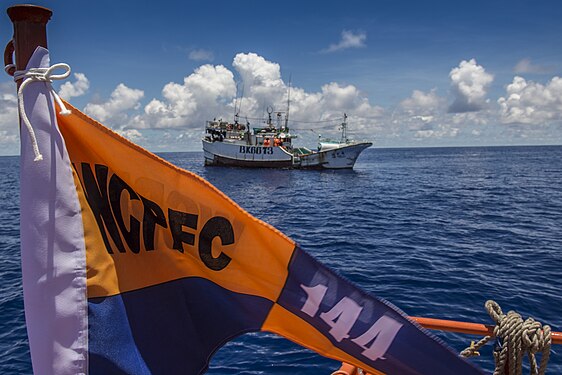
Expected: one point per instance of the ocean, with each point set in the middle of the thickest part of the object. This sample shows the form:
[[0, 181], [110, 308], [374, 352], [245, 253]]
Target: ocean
[[435, 231]]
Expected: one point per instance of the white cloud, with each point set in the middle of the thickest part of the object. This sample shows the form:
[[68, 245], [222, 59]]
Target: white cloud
[[201, 55], [9, 127], [114, 111], [210, 92], [203, 95], [526, 66], [434, 126], [348, 40], [439, 131], [483, 117], [261, 78], [69, 90], [264, 86], [470, 82], [132, 134], [528, 102], [423, 116], [423, 104], [339, 97]]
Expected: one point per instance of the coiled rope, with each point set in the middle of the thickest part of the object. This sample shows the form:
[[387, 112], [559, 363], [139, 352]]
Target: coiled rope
[[39, 75], [517, 337]]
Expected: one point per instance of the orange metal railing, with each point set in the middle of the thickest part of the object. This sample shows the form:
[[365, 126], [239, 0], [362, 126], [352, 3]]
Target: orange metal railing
[[469, 328], [450, 326]]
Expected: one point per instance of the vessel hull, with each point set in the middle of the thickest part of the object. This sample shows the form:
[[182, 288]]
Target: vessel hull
[[241, 155], [343, 157]]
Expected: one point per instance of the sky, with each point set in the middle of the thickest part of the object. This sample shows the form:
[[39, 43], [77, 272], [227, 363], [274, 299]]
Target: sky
[[407, 73]]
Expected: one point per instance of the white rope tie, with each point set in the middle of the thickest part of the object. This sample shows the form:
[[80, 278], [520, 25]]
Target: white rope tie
[[9, 67], [40, 75]]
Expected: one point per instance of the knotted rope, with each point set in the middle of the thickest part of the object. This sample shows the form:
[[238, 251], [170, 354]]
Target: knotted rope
[[39, 75], [517, 337]]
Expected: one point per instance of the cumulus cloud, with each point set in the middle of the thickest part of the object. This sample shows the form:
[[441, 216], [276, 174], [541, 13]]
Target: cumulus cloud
[[526, 66], [9, 127], [480, 118], [411, 125], [349, 39], [436, 131], [423, 116], [211, 91], [260, 77], [115, 110], [469, 82], [263, 78], [79, 87], [132, 134], [423, 104], [528, 102], [424, 127], [201, 55], [203, 95]]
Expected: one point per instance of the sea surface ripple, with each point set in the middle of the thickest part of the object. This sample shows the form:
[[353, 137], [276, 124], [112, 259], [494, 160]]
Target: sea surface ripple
[[435, 231]]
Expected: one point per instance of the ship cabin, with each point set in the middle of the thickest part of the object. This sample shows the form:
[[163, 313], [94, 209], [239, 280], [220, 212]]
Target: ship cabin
[[268, 136]]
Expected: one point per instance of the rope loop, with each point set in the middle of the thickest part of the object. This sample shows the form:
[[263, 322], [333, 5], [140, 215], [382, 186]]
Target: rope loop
[[10, 69], [47, 76], [516, 337]]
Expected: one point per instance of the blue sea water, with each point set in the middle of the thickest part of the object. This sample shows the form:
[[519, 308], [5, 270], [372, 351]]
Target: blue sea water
[[435, 231]]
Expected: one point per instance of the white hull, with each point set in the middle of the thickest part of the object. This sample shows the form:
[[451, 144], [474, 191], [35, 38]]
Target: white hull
[[343, 157], [239, 154]]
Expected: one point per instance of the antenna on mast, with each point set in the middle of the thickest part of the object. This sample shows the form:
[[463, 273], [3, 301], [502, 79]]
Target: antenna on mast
[[237, 107], [236, 102], [240, 103], [344, 129], [288, 105]]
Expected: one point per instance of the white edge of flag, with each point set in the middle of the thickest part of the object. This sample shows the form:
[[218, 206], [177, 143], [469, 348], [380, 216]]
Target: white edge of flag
[[53, 250]]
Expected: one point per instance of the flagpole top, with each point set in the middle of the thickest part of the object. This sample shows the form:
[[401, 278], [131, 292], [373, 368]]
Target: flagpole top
[[30, 13]]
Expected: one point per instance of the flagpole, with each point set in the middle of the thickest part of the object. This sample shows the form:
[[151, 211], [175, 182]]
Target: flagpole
[[30, 31]]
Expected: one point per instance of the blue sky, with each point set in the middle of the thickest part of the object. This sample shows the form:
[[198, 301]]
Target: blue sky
[[408, 73]]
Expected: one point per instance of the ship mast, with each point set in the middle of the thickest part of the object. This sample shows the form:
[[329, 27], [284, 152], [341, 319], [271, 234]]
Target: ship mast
[[269, 120], [288, 107], [237, 110], [344, 129]]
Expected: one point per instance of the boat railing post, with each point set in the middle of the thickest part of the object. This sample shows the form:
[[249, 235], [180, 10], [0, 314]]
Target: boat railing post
[[30, 31]]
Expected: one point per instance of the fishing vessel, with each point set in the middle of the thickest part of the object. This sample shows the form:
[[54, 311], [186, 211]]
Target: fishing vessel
[[271, 146]]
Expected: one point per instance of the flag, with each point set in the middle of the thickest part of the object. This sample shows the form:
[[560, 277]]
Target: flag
[[132, 265]]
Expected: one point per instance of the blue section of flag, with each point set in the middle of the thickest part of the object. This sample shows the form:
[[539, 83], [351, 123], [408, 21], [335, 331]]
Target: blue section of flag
[[410, 345], [170, 328]]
